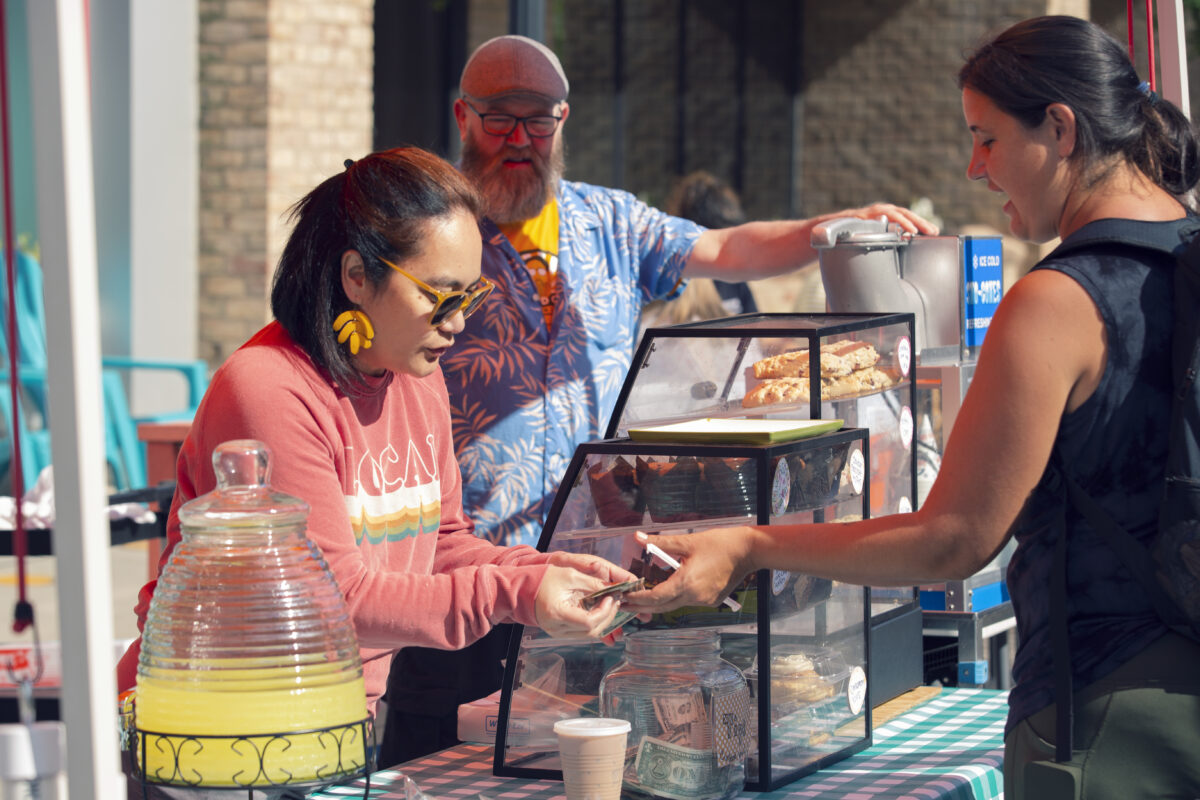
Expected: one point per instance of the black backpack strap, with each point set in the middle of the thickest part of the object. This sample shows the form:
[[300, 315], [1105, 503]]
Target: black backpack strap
[[1152, 236], [1185, 353], [1064, 692]]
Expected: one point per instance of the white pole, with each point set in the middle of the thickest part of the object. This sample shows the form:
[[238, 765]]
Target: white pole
[[1172, 54], [58, 47]]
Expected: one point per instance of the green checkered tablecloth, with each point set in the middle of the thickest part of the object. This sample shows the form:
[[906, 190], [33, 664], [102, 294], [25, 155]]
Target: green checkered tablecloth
[[950, 747]]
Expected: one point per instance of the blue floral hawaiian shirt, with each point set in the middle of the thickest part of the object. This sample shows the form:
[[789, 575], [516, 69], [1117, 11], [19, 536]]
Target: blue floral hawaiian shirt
[[523, 397]]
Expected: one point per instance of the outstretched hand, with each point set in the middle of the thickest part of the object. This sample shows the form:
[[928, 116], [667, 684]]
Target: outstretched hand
[[907, 219], [569, 578], [713, 564]]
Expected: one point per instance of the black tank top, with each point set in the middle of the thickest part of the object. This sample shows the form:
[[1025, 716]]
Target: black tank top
[[1114, 446]]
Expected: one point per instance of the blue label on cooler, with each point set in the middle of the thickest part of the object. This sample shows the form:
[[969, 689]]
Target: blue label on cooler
[[983, 285]]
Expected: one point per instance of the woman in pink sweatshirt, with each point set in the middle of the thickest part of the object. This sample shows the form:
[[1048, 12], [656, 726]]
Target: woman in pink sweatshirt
[[346, 389]]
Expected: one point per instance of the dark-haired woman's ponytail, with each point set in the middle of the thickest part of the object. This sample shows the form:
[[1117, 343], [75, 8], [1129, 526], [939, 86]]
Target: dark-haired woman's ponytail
[[1170, 146]]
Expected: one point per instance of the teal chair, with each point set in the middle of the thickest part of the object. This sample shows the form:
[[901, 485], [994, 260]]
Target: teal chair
[[31, 366], [124, 453], [35, 438]]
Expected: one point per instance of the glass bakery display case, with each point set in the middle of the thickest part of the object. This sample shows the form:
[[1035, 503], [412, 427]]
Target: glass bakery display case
[[801, 643], [857, 367]]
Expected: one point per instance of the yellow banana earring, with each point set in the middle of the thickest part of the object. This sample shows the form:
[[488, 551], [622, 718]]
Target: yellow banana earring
[[354, 326]]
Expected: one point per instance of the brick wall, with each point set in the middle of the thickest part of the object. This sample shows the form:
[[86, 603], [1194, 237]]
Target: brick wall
[[285, 98], [844, 103], [865, 108]]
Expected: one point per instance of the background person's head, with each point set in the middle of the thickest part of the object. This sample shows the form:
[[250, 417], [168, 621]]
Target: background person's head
[[406, 206], [1058, 59], [512, 89], [706, 200]]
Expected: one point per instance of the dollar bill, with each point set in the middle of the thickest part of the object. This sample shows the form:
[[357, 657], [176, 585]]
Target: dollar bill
[[634, 585], [676, 772], [620, 619], [694, 734], [674, 711]]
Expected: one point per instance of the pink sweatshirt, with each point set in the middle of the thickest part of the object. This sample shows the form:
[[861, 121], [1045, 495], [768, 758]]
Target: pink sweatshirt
[[383, 484]]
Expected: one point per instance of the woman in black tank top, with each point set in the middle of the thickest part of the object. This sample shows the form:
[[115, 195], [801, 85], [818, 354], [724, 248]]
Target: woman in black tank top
[[1063, 127]]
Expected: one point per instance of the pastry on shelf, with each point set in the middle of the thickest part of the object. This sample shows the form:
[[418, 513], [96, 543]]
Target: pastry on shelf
[[668, 488], [615, 493], [796, 365], [816, 478], [727, 487], [837, 359], [795, 681], [803, 678], [847, 370]]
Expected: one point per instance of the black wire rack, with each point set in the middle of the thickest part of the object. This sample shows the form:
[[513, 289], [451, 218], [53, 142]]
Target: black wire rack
[[262, 758]]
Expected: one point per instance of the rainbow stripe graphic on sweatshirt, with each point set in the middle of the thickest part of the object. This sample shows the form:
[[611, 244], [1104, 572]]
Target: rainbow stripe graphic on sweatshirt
[[396, 497]]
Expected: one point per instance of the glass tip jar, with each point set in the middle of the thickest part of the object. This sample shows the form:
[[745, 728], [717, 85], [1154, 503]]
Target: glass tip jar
[[689, 712]]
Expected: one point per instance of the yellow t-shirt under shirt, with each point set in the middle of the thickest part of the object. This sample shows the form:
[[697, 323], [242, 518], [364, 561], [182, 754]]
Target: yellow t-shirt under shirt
[[536, 240]]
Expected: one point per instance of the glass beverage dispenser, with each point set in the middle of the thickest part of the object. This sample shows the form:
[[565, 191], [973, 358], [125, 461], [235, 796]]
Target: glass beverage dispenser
[[249, 674]]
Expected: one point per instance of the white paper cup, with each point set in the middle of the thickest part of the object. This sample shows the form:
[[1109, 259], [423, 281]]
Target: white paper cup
[[592, 752]]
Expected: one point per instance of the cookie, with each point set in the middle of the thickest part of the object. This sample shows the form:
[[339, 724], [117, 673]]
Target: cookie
[[795, 679], [774, 391], [795, 364], [859, 355], [870, 380], [778, 390], [800, 689]]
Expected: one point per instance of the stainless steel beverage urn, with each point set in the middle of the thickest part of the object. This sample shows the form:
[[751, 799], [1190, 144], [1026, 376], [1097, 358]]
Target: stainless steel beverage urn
[[871, 265]]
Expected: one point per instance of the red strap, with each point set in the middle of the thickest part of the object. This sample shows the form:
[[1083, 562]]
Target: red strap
[[1129, 29], [1150, 43]]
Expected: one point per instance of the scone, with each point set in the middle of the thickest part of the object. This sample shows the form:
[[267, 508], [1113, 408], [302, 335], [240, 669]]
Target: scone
[[794, 679], [778, 390], [796, 365], [789, 689], [863, 381], [871, 380], [847, 370], [859, 355]]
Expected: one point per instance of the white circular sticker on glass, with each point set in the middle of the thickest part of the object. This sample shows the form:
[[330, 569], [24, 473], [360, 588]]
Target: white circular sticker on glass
[[781, 488], [779, 580], [856, 690], [906, 427], [903, 355], [858, 471], [904, 506]]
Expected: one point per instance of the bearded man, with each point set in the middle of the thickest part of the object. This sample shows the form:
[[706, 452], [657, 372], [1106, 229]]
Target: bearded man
[[538, 368]]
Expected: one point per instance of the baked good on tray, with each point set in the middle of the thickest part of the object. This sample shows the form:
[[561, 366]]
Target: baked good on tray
[[615, 493], [795, 365], [796, 390], [847, 369], [859, 355], [778, 390], [837, 359], [795, 680], [668, 488]]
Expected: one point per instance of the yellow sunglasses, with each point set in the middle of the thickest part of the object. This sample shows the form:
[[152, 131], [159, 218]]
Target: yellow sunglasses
[[445, 304]]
